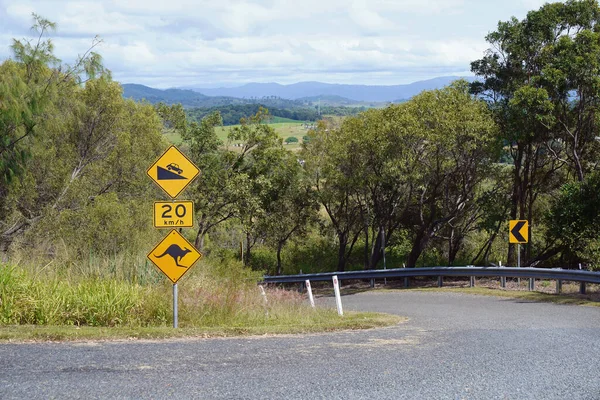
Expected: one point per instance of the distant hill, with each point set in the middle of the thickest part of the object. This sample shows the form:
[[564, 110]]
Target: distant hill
[[327, 99], [359, 93], [169, 96], [191, 99]]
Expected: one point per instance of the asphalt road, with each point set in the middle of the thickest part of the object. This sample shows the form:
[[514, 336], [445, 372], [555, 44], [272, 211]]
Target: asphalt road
[[454, 346]]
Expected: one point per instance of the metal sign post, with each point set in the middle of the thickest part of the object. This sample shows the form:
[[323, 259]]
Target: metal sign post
[[383, 251], [518, 232], [519, 261], [175, 314], [174, 255]]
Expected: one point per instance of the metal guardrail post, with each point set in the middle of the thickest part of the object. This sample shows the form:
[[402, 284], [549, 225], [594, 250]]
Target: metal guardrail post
[[440, 281], [435, 272], [372, 283], [558, 286], [531, 284], [582, 287], [406, 282]]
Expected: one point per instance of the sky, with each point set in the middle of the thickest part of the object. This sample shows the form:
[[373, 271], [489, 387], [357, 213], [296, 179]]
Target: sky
[[187, 43]]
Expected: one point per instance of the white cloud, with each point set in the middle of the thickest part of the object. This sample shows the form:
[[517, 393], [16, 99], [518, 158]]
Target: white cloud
[[181, 42]]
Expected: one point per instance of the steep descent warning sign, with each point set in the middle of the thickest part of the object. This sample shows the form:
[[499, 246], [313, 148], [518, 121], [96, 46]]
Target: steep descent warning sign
[[174, 255], [173, 171]]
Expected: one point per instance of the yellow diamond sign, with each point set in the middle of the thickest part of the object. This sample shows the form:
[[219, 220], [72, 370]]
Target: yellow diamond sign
[[174, 255], [173, 171]]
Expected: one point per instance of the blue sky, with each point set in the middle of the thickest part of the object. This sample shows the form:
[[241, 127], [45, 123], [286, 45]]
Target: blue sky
[[221, 43]]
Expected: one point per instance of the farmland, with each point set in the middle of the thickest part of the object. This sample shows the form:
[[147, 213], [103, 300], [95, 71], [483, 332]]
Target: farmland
[[284, 127]]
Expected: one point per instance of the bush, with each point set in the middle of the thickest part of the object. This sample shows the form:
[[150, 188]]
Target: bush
[[291, 139]]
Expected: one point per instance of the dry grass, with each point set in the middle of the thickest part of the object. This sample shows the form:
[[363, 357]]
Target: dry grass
[[217, 298]]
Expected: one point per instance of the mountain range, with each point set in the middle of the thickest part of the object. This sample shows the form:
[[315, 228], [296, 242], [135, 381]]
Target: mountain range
[[377, 93], [302, 92]]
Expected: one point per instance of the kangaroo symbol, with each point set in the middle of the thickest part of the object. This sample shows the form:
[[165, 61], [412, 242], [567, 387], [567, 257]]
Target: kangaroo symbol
[[176, 252]]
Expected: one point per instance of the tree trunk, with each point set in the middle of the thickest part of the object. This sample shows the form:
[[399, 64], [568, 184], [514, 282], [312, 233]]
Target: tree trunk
[[376, 251], [454, 243], [418, 245], [367, 261], [199, 242], [248, 249], [343, 239], [279, 247]]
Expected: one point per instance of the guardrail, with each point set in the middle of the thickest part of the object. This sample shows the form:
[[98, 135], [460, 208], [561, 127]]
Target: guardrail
[[469, 271]]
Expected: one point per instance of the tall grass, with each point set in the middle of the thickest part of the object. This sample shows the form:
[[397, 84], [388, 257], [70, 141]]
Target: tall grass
[[216, 293], [26, 299]]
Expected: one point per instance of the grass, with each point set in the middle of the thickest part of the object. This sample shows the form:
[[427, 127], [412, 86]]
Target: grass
[[216, 298], [574, 299], [321, 321], [283, 129], [283, 126]]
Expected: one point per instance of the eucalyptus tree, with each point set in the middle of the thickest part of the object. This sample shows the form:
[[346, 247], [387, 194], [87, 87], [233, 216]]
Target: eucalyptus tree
[[234, 175], [574, 221], [541, 77], [456, 138], [412, 167], [330, 168], [382, 161], [288, 200], [61, 128]]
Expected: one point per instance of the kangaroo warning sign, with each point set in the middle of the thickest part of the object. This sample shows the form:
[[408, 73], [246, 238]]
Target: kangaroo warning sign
[[174, 255], [173, 171]]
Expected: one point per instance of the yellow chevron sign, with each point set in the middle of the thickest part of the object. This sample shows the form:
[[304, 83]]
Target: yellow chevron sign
[[518, 231]]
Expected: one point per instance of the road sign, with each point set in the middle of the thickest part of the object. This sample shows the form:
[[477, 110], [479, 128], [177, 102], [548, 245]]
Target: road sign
[[173, 171], [174, 255], [171, 214], [518, 231]]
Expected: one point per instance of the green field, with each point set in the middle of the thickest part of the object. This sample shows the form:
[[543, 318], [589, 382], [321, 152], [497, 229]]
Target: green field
[[284, 128]]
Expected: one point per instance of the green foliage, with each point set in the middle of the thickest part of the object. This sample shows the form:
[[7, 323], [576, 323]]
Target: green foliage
[[541, 79], [291, 139], [574, 220], [232, 114], [415, 166]]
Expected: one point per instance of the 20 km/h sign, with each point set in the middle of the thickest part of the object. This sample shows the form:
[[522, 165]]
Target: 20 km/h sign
[[518, 231], [174, 255], [173, 171], [173, 214]]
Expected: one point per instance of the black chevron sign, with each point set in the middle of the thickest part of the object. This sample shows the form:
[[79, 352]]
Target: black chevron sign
[[518, 231]]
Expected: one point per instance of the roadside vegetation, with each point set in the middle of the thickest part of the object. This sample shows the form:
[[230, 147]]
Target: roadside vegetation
[[218, 298], [431, 181]]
